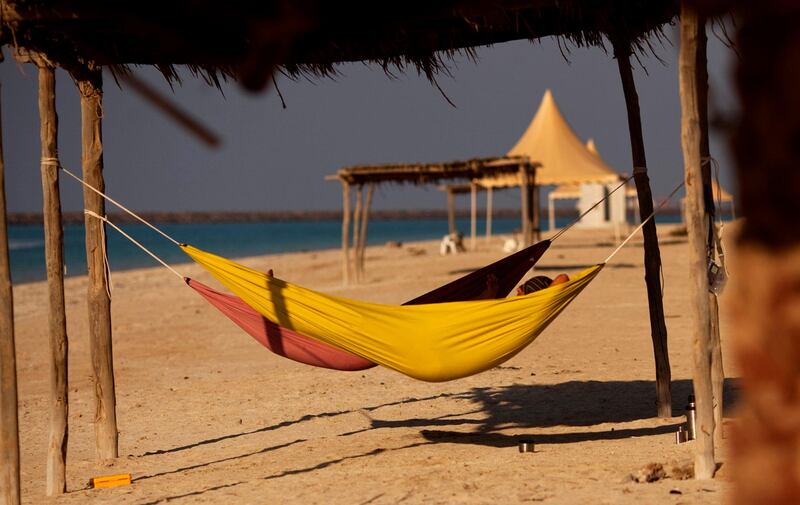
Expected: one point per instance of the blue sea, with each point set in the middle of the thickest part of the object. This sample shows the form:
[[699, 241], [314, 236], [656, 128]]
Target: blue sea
[[232, 240]]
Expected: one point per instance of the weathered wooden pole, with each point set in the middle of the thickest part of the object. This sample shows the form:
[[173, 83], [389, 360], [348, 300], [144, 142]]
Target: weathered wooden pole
[[524, 205], [9, 420], [697, 223], [345, 233], [535, 207], [451, 211], [551, 212], [356, 234], [652, 255], [473, 215], [54, 258], [364, 220], [98, 294], [717, 368], [489, 211]]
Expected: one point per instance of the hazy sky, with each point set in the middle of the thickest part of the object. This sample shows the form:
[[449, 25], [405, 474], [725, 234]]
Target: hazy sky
[[275, 159]]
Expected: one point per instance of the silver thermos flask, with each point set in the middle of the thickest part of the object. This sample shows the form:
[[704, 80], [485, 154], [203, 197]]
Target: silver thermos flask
[[691, 418]]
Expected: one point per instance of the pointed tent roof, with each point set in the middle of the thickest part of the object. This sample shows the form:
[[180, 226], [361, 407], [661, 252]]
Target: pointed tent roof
[[565, 159], [550, 140]]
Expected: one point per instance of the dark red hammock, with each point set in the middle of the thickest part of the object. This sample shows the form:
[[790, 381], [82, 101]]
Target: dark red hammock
[[289, 344]]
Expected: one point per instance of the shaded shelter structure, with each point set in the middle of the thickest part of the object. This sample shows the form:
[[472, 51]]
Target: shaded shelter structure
[[415, 173], [253, 40]]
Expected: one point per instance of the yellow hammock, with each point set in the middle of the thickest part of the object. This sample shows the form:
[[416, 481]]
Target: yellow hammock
[[434, 342]]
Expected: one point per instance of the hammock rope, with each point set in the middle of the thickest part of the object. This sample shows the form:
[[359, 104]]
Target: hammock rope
[[641, 225]]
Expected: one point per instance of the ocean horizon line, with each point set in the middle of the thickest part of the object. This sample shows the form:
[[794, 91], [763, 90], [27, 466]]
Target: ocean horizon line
[[199, 217]]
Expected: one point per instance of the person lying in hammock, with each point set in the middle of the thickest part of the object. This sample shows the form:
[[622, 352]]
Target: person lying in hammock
[[530, 286]]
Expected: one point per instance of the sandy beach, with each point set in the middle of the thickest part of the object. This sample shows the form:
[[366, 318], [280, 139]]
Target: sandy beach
[[206, 415]]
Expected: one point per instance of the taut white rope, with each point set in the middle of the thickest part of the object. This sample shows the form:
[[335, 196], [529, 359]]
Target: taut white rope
[[130, 212], [648, 218], [143, 248], [570, 225]]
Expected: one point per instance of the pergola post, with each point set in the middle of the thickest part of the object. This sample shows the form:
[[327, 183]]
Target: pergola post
[[551, 212], [473, 215], [364, 220], [652, 255], [524, 205], [9, 420], [54, 257], [697, 223], [489, 212], [535, 204], [345, 233], [98, 294], [356, 233], [451, 211], [717, 368]]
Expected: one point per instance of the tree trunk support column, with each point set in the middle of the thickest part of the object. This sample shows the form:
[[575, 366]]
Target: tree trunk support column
[[451, 211], [356, 233], [652, 255], [473, 216], [54, 257], [489, 211], [364, 220], [9, 420], [525, 205], [697, 226], [98, 298], [717, 368], [345, 233]]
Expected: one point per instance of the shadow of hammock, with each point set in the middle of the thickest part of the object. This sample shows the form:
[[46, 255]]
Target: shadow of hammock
[[286, 473], [573, 403], [499, 440], [580, 404], [299, 420]]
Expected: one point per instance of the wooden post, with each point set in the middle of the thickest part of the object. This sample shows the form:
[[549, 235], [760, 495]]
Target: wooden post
[[489, 211], [9, 420], [535, 205], [97, 297], [551, 212], [524, 205], [697, 227], [652, 255], [54, 255], [356, 234], [451, 211], [364, 221], [473, 215], [345, 233], [717, 368]]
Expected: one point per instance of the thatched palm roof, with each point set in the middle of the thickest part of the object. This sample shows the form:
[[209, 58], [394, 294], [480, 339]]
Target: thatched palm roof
[[247, 40], [423, 173]]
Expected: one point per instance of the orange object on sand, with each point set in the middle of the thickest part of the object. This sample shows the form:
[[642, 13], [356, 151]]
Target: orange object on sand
[[123, 479]]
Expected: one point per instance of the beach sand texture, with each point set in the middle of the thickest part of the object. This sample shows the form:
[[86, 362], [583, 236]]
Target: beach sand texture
[[206, 415]]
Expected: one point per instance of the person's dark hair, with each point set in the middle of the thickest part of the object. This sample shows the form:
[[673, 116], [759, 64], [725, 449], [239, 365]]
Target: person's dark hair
[[536, 283]]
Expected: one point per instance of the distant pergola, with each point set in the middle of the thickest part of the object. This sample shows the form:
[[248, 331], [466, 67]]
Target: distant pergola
[[521, 168]]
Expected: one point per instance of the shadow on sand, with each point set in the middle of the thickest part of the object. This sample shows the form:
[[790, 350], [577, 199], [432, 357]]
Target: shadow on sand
[[528, 406]]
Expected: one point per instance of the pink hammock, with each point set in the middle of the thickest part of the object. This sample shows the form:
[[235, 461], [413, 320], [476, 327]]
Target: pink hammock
[[289, 344]]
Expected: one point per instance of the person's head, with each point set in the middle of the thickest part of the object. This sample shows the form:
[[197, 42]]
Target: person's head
[[534, 284]]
